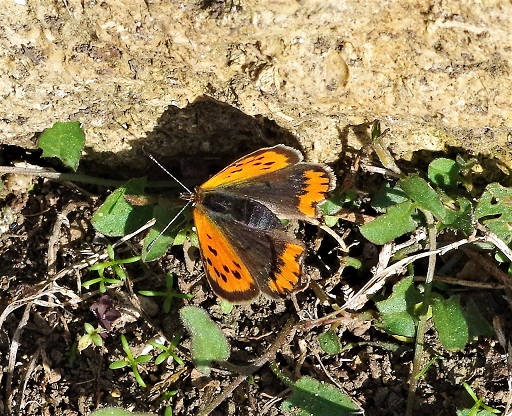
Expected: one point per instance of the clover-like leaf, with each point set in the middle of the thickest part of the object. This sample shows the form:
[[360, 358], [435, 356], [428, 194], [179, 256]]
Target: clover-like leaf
[[64, 141]]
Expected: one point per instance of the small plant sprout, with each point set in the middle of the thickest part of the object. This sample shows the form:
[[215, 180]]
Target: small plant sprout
[[167, 351], [131, 361], [92, 336], [169, 294], [116, 267], [479, 403]]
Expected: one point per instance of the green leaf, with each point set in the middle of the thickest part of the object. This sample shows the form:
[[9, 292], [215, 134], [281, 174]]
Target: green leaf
[[424, 195], [226, 307], [314, 398], [398, 311], [494, 210], [387, 197], [64, 141], [470, 412], [208, 341], [444, 173], [395, 222], [477, 324], [117, 217], [462, 219], [164, 212], [450, 322], [330, 342]]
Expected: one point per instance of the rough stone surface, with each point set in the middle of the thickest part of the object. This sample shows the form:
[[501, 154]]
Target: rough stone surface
[[438, 74]]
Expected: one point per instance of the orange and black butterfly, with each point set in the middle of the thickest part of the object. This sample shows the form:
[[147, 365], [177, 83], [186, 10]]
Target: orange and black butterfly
[[244, 245]]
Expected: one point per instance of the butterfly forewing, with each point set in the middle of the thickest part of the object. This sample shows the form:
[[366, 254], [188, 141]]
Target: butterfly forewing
[[292, 192], [255, 164]]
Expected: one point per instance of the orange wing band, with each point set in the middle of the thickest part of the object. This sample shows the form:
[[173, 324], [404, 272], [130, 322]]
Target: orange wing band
[[287, 275], [258, 163], [317, 184], [228, 276]]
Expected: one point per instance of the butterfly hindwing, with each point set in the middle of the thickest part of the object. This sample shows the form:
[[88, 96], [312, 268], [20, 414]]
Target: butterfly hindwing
[[292, 192], [268, 256], [227, 272]]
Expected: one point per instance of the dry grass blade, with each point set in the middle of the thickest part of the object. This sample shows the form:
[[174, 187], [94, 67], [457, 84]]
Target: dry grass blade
[[13, 350]]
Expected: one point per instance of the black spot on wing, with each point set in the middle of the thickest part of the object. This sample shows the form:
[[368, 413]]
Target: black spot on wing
[[212, 250]]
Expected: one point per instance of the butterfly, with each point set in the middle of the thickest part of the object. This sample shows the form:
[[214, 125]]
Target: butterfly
[[244, 246]]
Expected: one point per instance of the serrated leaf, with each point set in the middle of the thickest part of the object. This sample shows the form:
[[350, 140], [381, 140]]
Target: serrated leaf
[[398, 311], [462, 219], [494, 210], [116, 216], [395, 222], [314, 398], [444, 173], [64, 141], [208, 342], [450, 322]]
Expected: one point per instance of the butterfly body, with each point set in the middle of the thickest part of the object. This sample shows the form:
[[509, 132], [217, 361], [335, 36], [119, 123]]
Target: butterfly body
[[244, 245]]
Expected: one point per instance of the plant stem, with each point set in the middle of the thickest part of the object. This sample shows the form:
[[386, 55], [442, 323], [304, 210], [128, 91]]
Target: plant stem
[[422, 324]]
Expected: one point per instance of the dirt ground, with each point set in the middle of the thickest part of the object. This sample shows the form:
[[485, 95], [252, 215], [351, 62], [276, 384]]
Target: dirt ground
[[44, 307]]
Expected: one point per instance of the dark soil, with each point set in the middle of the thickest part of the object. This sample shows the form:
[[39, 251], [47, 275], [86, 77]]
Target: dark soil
[[44, 312]]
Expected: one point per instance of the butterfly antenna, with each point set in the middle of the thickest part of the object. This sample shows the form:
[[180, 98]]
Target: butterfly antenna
[[169, 173], [150, 245]]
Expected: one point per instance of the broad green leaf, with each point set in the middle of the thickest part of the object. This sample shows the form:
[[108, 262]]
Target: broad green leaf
[[450, 322], [471, 412], [314, 398], [424, 195], [387, 197], [64, 141], [444, 173], [117, 217], [208, 341], [398, 311], [330, 342], [477, 324], [395, 222], [494, 210]]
